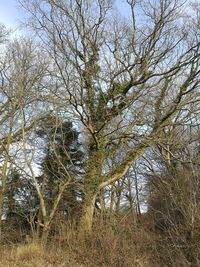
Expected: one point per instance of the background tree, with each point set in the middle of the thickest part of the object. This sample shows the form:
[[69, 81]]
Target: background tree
[[63, 152], [21, 73], [61, 170], [174, 192], [21, 206]]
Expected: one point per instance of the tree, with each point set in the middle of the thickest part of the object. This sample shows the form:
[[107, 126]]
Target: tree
[[61, 170], [173, 186], [21, 72], [21, 205], [124, 80], [63, 151], [4, 33]]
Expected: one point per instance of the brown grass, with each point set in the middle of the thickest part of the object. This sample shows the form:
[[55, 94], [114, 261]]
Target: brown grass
[[116, 242], [34, 255]]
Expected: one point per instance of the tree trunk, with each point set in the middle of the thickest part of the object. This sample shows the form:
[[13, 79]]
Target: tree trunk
[[45, 234], [138, 210], [1, 212], [3, 191], [91, 189], [112, 198], [102, 205], [87, 215]]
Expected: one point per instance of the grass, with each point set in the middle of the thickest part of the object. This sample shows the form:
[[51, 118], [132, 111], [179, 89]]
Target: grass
[[34, 255], [114, 243]]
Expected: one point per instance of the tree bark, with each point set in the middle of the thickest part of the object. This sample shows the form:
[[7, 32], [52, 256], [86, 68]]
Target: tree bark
[[87, 215], [91, 188]]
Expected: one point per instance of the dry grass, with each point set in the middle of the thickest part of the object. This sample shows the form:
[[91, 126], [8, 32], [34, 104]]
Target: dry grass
[[29, 252], [34, 255], [116, 242]]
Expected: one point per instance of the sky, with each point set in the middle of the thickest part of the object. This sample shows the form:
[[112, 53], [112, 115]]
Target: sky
[[10, 13]]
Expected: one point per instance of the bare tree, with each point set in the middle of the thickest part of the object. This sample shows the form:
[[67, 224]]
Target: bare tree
[[20, 78], [173, 185], [123, 79], [59, 167]]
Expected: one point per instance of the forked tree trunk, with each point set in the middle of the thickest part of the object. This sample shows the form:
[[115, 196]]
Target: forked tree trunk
[[45, 234], [94, 182], [49, 218]]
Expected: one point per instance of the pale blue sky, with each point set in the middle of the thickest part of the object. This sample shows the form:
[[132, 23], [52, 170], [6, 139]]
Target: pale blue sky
[[10, 13]]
